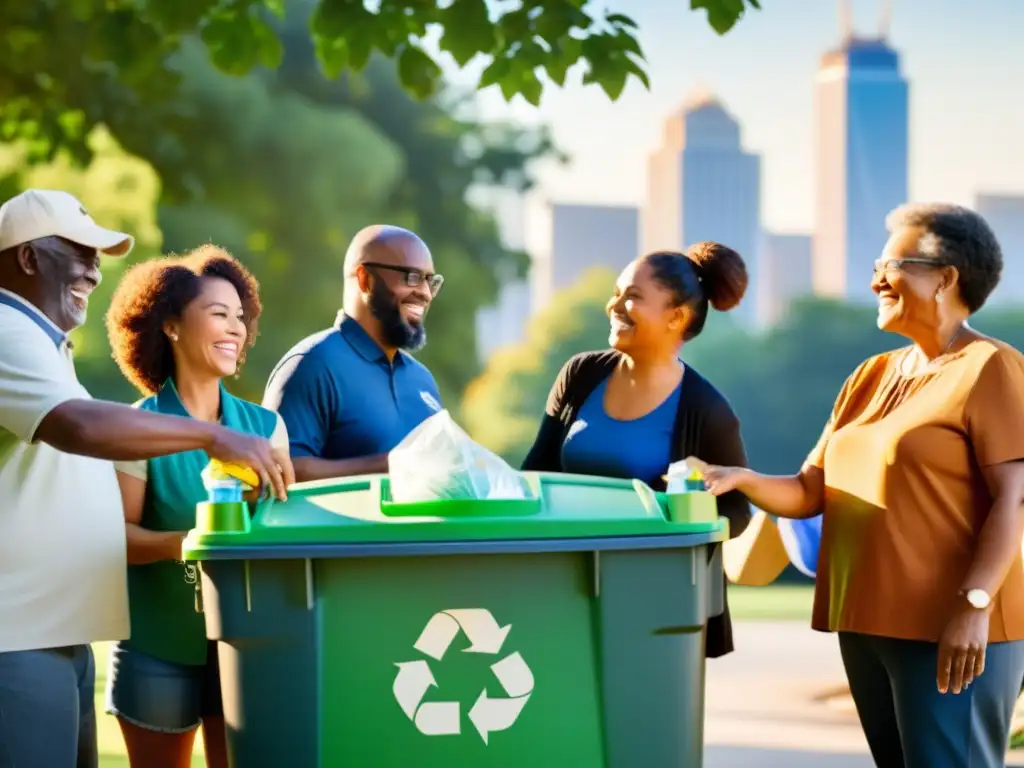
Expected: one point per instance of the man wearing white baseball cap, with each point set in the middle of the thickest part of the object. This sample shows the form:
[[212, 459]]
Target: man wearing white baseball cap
[[63, 581]]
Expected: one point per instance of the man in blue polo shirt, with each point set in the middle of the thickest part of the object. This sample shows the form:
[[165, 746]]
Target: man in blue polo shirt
[[351, 393]]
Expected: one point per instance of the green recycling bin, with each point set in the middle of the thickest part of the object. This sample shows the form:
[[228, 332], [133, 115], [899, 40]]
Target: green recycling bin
[[564, 629]]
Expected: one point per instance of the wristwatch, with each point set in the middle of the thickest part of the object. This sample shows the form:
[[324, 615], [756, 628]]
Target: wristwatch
[[978, 598]]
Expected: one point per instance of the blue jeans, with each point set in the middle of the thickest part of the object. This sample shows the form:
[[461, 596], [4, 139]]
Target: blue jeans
[[47, 710], [909, 724]]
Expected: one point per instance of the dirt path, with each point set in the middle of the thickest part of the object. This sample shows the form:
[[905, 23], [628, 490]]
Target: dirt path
[[761, 709]]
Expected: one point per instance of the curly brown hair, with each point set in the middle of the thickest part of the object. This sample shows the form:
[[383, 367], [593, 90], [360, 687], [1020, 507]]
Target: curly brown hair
[[153, 292]]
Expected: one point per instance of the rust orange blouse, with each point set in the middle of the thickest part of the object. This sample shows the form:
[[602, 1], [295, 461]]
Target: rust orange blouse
[[905, 498]]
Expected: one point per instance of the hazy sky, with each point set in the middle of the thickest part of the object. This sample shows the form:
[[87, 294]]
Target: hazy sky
[[964, 60]]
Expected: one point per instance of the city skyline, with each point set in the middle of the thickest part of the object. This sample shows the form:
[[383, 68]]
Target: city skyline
[[964, 117], [702, 184]]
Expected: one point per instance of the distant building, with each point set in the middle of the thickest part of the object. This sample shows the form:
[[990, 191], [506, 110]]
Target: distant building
[[1005, 214], [785, 274], [861, 162], [504, 323], [581, 237], [702, 185]]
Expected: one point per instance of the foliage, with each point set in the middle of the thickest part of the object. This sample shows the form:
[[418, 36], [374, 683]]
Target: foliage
[[283, 169], [70, 66], [782, 383], [275, 198], [443, 159]]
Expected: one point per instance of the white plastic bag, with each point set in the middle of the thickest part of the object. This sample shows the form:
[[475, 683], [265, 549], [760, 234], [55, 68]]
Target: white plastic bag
[[438, 460]]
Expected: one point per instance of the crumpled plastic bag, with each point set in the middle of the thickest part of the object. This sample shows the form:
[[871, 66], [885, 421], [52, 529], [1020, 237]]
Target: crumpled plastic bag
[[438, 461]]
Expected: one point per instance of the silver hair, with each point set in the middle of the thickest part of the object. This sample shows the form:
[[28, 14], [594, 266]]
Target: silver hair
[[959, 237]]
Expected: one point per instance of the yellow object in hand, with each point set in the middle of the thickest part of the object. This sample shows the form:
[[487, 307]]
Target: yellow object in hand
[[246, 475]]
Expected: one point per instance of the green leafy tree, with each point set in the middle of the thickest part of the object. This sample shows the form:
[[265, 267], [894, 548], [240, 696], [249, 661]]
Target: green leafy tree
[[284, 201], [444, 160], [287, 201], [70, 66]]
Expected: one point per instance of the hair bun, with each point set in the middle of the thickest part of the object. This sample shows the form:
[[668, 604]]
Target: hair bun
[[722, 273]]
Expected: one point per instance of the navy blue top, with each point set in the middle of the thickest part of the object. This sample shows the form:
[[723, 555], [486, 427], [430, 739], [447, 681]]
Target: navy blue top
[[341, 398], [597, 444]]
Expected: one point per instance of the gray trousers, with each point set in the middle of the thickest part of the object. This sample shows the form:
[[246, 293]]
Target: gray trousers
[[909, 724], [47, 709]]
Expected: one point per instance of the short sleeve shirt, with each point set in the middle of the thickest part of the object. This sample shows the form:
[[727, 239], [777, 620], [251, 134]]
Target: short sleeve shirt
[[905, 497], [341, 397], [62, 539]]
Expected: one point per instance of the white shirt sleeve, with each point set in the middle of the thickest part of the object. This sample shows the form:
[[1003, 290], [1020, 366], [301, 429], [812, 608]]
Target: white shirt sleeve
[[35, 378], [280, 437], [137, 469]]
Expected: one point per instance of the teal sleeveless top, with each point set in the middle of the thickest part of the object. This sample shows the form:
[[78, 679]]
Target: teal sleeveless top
[[164, 621]]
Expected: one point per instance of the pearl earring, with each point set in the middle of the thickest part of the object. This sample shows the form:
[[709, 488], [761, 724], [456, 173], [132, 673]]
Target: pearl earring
[[938, 297], [174, 337]]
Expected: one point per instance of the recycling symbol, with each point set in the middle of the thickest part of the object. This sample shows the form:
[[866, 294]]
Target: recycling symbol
[[444, 718]]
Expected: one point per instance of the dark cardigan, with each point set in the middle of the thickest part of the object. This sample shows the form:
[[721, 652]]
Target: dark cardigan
[[705, 426]]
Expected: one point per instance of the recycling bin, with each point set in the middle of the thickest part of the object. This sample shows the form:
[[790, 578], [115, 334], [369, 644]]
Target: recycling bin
[[564, 629]]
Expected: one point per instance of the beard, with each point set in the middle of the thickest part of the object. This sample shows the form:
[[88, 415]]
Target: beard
[[396, 330]]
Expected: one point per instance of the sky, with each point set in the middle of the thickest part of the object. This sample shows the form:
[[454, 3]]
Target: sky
[[964, 60]]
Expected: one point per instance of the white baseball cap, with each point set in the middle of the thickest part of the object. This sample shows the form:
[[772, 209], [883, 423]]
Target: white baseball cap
[[37, 213]]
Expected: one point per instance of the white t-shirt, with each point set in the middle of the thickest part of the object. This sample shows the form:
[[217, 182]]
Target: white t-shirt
[[63, 578]]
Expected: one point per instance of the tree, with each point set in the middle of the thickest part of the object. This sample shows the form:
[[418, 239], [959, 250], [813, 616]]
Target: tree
[[71, 66], [287, 201]]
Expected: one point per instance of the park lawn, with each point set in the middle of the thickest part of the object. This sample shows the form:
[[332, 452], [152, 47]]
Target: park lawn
[[782, 602], [774, 603]]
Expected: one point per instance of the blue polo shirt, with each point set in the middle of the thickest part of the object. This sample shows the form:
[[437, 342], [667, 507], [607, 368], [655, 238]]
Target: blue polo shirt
[[341, 398]]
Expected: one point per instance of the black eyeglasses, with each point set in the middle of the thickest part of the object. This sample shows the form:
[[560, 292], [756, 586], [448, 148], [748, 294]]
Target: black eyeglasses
[[890, 266], [412, 277]]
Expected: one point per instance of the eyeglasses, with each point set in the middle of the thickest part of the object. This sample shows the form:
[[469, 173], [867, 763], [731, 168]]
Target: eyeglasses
[[890, 266], [412, 277]]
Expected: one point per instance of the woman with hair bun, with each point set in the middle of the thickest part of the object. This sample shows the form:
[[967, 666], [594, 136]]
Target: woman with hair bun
[[632, 410]]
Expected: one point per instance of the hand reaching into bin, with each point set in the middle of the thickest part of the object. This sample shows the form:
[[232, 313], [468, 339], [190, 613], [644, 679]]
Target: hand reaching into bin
[[271, 466]]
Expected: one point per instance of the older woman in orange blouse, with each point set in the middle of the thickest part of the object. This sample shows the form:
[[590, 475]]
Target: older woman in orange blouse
[[919, 474]]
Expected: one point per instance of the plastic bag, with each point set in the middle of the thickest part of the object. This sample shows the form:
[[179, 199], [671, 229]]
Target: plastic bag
[[438, 460]]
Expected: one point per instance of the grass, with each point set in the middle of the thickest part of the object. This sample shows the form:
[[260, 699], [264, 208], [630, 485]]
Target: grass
[[785, 602]]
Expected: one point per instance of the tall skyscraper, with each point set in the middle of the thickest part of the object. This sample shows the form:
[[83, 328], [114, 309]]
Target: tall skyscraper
[[582, 236], [861, 161], [702, 185]]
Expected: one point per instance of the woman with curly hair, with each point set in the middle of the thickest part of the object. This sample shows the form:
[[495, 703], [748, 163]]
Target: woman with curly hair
[[177, 326]]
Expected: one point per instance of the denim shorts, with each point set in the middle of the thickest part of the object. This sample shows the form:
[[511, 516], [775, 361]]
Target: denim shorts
[[162, 695]]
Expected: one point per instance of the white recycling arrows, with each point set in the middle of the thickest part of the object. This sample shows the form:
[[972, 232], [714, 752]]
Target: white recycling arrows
[[488, 714], [413, 681], [485, 636]]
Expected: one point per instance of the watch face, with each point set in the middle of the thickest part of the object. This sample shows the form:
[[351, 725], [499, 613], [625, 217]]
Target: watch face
[[978, 598]]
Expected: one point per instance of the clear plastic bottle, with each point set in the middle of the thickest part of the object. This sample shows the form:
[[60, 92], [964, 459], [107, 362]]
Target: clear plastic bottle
[[224, 490]]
